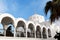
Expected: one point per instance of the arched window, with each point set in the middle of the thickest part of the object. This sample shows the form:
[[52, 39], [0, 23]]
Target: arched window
[[38, 32], [10, 30], [49, 33], [44, 33], [31, 30], [1, 30], [21, 29]]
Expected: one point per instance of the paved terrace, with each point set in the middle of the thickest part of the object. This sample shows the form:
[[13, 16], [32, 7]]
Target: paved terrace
[[22, 38]]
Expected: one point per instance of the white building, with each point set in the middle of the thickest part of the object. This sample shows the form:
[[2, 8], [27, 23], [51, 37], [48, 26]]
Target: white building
[[36, 28]]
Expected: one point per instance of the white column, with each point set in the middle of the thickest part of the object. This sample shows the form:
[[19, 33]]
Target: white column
[[26, 32], [41, 33], [15, 32], [47, 32], [35, 34], [5, 27], [4, 32]]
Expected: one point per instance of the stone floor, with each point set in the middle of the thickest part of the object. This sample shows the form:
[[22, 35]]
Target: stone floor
[[17, 38]]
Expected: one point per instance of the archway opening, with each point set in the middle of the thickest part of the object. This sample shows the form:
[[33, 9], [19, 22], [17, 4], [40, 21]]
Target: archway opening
[[31, 30], [21, 29], [5, 22], [10, 30], [44, 33], [1, 30], [38, 32], [49, 33]]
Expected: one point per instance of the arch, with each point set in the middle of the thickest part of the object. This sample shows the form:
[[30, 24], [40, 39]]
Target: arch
[[38, 31], [49, 33], [44, 33], [21, 27], [5, 20], [31, 29]]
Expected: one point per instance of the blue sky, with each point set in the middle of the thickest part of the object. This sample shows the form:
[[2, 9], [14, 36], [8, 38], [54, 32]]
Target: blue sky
[[23, 8]]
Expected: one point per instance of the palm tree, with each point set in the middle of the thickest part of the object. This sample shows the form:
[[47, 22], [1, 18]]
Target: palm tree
[[54, 7]]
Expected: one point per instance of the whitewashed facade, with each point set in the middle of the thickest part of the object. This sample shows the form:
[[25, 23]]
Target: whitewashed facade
[[36, 28]]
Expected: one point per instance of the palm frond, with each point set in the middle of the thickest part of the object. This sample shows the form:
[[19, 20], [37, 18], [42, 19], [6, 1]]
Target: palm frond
[[55, 10], [47, 7], [58, 11], [53, 17], [55, 13]]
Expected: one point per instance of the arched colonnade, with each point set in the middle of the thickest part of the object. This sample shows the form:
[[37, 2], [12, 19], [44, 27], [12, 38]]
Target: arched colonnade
[[22, 28]]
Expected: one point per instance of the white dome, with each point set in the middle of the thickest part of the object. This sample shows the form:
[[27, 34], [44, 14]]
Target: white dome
[[37, 18]]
